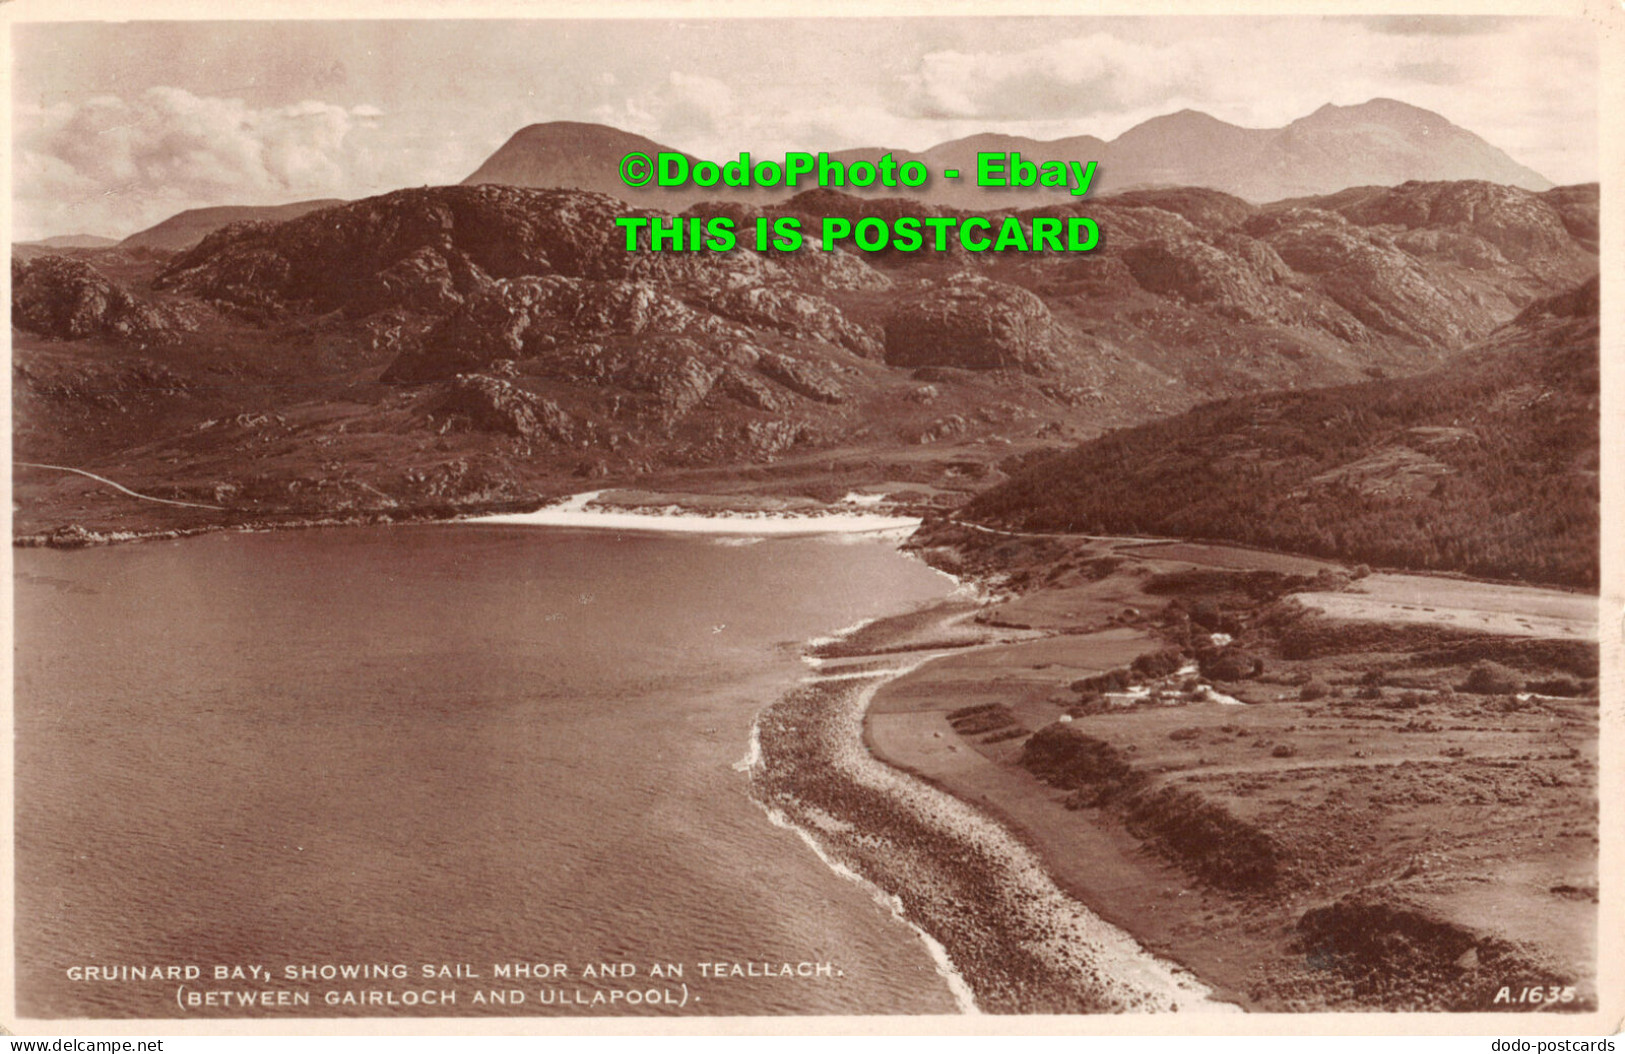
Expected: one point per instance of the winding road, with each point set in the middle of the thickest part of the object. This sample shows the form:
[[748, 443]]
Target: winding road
[[117, 486]]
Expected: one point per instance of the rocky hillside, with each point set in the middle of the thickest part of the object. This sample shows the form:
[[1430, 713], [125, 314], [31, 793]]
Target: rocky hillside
[[1489, 465], [490, 342], [69, 299], [1382, 142]]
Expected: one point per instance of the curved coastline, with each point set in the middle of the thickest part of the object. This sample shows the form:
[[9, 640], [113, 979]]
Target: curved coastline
[[970, 886], [1006, 937]]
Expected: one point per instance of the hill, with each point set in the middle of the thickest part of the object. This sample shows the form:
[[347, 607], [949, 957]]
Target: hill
[[185, 229], [482, 343], [1382, 142], [573, 155], [1488, 465], [72, 241]]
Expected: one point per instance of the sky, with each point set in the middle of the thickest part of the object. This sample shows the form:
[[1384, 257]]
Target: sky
[[118, 126]]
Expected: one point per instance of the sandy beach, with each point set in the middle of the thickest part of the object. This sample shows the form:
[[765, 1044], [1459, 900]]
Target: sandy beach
[[597, 509]]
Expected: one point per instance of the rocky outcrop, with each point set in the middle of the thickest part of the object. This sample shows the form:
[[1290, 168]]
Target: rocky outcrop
[[329, 260], [1523, 227], [973, 323], [794, 314], [68, 299], [685, 384], [752, 391], [427, 279], [803, 378], [525, 317], [1372, 277], [491, 404], [1244, 283]]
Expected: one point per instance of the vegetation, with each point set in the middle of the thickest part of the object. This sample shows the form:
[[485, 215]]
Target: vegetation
[[1491, 678], [1201, 835], [1488, 466]]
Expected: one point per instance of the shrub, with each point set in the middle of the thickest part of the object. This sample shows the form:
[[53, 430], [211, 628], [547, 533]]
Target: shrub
[[1158, 663], [1284, 750], [1111, 681], [1491, 678], [1071, 760], [989, 717], [1313, 690], [1206, 838], [1231, 664], [1565, 687]]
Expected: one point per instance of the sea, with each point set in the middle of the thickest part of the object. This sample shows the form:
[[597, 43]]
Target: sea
[[345, 772]]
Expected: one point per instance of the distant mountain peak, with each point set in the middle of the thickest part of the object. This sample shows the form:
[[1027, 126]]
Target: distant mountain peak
[[1380, 110], [1379, 142]]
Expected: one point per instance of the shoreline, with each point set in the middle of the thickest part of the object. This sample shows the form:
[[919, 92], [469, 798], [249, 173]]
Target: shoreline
[[965, 880], [574, 511], [849, 517], [1222, 987], [852, 668]]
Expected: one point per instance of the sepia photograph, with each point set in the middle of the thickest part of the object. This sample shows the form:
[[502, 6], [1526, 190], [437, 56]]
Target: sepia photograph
[[533, 516]]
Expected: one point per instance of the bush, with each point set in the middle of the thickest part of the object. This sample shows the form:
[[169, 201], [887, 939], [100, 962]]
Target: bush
[[1158, 663], [1071, 760], [1284, 750], [1232, 664], [1313, 690], [989, 717], [1491, 678], [1564, 687], [1206, 838], [1111, 681]]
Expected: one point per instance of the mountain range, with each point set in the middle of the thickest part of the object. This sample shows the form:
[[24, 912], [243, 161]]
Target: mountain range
[[1381, 143], [1378, 143], [455, 347]]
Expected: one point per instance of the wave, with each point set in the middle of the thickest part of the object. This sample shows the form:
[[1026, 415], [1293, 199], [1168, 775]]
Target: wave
[[751, 765]]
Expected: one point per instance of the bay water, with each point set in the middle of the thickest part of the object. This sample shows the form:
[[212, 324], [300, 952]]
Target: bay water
[[442, 751]]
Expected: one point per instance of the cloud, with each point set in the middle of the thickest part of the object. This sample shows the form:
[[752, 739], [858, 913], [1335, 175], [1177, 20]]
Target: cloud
[[1429, 72], [1435, 25], [110, 162], [1078, 76], [681, 109]]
